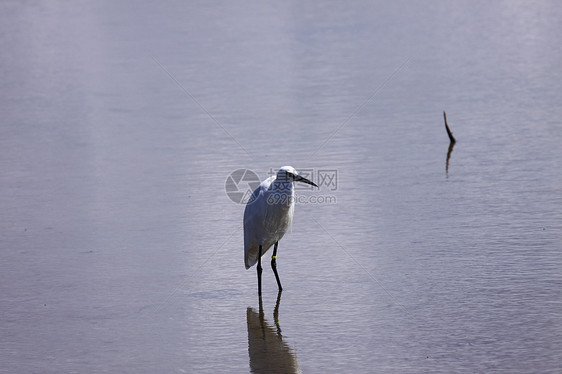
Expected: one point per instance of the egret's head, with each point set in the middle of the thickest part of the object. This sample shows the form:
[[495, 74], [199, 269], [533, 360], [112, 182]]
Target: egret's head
[[289, 174]]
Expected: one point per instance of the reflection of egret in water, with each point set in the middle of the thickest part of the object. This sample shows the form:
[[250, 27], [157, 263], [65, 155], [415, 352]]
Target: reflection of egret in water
[[268, 353]]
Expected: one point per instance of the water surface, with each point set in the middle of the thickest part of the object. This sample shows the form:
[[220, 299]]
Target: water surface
[[121, 252]]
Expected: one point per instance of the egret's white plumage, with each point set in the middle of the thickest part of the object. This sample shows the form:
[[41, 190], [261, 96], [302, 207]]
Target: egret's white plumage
[[269, 214]]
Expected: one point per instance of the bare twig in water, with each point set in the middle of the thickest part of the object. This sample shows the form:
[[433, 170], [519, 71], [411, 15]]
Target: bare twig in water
[[449, 132]]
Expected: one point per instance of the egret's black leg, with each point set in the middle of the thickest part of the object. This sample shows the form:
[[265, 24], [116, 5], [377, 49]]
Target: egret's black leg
[[259, 272], [260, 302], [274, 266]]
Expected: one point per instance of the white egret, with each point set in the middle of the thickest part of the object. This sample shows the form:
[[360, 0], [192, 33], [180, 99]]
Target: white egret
[[267, 216]]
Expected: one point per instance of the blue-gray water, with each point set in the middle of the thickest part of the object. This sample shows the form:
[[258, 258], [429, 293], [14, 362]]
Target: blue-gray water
[[121, 251]]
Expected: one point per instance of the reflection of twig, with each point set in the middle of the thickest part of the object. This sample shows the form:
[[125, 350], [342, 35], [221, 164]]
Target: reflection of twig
[[452, 142], [449, 151]]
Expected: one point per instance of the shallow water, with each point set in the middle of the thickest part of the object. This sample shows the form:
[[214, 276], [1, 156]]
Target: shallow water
[[122, 252]]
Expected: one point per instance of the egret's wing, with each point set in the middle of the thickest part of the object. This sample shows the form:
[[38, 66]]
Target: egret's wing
[[251, 246], [278, 213], [253, 223]]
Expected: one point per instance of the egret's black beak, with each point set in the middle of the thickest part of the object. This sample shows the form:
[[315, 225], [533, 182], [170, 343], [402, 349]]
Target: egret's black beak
[[298, 178]]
